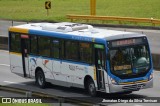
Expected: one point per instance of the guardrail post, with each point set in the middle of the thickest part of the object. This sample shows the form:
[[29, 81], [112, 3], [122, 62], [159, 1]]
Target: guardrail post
[[120, 22], [28, 94], [153, 24], [60, 100], [93, 7], [12, 22]]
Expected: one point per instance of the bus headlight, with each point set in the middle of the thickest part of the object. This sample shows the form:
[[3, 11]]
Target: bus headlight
[[113, 81], [151, 76]]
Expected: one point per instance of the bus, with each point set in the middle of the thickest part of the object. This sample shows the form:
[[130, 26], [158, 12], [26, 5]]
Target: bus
[[80, 55]]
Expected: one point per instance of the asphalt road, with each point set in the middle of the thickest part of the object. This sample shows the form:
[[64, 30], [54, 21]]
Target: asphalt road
[[10, 94], [153, 35], [9, 79]]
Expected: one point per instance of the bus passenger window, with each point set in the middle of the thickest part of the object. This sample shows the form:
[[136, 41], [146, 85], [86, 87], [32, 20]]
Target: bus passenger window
[[56, 48], [44, 46], [71, 50], [33, 49], [85, 52], [15, 44]]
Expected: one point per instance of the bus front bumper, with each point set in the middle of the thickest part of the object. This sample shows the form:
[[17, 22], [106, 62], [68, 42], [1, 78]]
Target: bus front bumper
[[130, 87]]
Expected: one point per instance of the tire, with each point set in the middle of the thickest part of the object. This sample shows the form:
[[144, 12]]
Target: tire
[[40, 79], [91, 88]]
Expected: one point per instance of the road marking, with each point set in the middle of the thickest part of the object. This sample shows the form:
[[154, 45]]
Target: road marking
[[5, 65], [138, 105], [13, 82], [4, 51]]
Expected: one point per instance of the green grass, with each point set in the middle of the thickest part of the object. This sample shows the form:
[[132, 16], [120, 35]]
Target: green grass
[[30, 10]]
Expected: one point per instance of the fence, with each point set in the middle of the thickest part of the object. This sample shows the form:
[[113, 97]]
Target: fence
[[121, 20]]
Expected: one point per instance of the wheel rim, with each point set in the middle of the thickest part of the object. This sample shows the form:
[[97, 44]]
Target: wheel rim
[[40, 79], [92, 88]]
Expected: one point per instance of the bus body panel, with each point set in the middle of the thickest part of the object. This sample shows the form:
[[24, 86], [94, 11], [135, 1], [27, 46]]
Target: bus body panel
[[63, 72], [16, 63]]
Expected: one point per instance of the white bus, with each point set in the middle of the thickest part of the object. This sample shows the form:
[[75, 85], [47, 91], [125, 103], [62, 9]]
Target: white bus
[[79, 55]]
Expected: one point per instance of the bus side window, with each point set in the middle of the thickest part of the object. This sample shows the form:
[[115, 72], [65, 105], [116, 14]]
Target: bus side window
[[15, 42], [55, 48], [71, 50], [85, 52], [44, 46], [33, 44]]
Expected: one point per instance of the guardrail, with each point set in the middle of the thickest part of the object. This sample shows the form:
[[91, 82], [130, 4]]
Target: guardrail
[[152, 21]]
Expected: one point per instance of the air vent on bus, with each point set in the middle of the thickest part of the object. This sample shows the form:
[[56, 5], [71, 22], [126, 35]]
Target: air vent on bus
[[65, 27]]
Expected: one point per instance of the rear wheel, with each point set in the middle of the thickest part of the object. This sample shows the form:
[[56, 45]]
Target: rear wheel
[[91, 88], [40, 79]]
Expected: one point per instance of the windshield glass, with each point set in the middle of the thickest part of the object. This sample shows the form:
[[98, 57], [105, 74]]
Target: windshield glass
[[128, 62]]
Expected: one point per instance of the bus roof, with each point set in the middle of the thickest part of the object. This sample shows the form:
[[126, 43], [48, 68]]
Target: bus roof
[[73, 29]]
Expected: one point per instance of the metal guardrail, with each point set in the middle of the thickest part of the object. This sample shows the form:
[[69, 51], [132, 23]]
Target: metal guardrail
[[152, 21]]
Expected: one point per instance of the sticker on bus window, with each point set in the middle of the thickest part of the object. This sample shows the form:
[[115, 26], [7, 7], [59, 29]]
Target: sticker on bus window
[[123, 67]]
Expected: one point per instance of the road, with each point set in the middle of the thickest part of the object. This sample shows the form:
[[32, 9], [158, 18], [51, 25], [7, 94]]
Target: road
[[9, 79], [153, 35], [10, 94]]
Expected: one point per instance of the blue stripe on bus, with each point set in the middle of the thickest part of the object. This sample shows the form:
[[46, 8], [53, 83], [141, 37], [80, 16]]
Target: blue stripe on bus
[[78, 63], [66, 36]]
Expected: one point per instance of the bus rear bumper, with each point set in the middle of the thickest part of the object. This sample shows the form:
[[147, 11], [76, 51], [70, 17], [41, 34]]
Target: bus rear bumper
[[130, 87]]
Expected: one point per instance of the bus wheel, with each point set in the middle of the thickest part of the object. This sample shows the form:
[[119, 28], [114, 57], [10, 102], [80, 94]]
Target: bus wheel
[[40, 79], [91, 88]]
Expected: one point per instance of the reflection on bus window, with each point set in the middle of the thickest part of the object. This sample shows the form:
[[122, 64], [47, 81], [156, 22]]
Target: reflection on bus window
[[129, 60]]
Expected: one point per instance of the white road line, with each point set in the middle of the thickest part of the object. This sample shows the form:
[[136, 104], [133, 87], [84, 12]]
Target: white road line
[[138, 105], [13, 82], [5, 65], [4, 51]]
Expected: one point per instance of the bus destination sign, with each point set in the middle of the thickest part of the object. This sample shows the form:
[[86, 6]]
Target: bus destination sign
[[126, 42]]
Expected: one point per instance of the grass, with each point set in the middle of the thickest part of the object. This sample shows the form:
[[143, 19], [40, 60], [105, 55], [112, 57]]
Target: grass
[[29, 10]]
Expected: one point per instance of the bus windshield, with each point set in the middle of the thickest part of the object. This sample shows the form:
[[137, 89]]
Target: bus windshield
[[130, 62]]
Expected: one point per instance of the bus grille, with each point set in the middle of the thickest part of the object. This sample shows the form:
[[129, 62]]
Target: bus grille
[[134, 87]]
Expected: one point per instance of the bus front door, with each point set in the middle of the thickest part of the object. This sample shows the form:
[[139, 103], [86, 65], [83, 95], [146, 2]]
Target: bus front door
[[24, 50], [99, 63]]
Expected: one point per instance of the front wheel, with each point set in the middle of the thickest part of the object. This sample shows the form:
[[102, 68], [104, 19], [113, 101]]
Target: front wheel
[[40, 79], [91, 88]]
